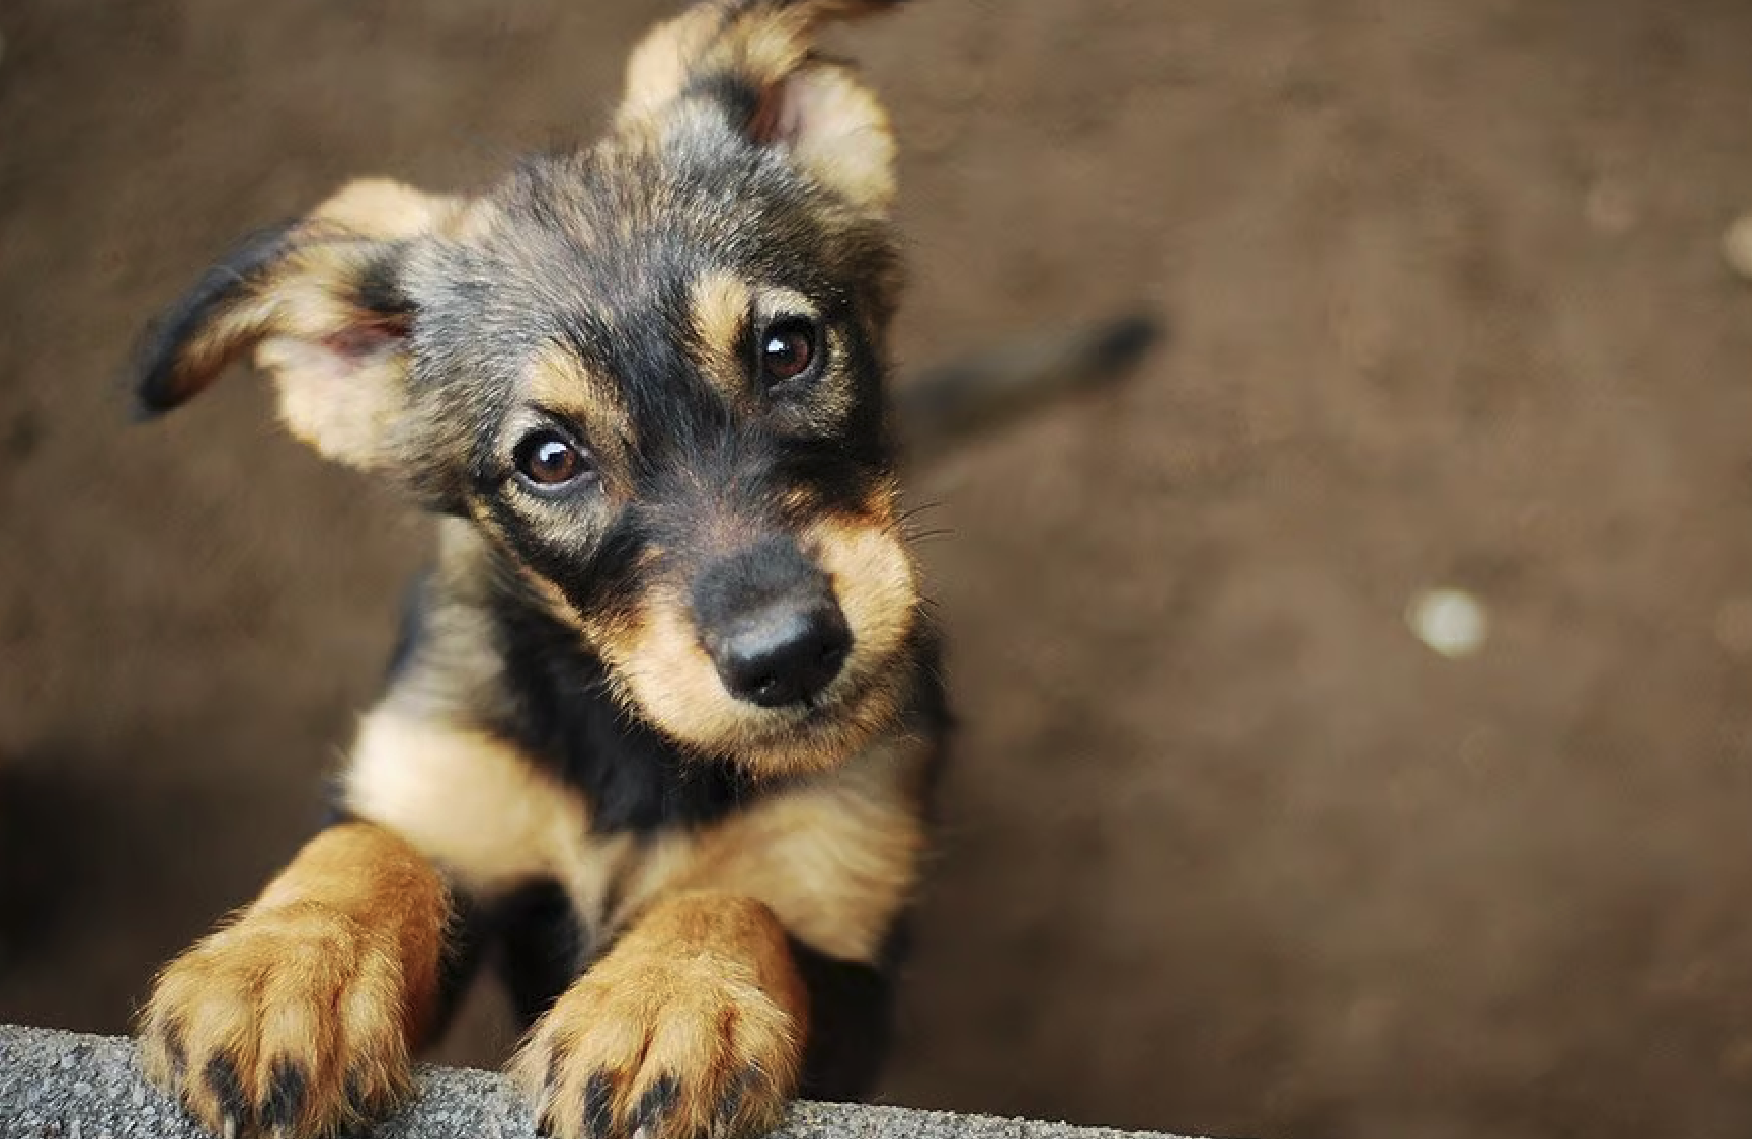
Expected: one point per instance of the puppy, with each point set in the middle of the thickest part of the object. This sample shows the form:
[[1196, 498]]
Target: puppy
[[660, 733]]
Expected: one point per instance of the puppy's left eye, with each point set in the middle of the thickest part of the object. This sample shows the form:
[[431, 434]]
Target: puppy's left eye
[[547, 461], [790, 349]]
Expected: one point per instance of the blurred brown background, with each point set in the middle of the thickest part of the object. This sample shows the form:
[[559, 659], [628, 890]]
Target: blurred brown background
[[1227, 849]]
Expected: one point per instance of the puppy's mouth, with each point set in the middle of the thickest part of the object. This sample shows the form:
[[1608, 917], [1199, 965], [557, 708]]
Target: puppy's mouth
[[832, 707], [673, 683]]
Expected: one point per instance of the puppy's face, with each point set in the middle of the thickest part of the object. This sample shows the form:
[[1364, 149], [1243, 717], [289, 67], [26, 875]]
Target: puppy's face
[[650, 373]]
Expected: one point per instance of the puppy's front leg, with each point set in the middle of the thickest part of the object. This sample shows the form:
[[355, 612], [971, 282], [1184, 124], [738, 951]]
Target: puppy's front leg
[[692, 1025], [298, 1018]]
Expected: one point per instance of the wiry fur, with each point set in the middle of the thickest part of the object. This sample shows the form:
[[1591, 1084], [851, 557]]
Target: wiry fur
[[693, 887]]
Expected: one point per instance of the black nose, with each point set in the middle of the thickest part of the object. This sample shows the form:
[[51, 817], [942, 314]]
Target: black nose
[[785, 654], [768, 618]]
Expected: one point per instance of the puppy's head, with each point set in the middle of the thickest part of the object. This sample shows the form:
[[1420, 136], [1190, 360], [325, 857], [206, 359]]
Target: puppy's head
[[649, 372]]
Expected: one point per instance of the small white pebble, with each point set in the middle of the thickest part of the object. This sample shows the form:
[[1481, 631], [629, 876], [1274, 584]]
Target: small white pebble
[[1610, 208], [1737, 246], [1450, 621]]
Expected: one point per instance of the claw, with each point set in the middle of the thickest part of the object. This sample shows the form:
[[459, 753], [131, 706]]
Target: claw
[[227, 1087], [659, 1100], [286, 1091], [734, 1094], [598, 1106]]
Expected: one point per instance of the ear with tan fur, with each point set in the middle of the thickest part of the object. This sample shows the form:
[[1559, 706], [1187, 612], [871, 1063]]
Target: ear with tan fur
[[755, 58], [319, 303]]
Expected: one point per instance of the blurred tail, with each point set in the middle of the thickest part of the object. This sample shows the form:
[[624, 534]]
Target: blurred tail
[[952, 403]]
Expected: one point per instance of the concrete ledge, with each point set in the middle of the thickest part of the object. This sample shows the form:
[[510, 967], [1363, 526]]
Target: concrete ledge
[[56, 1085]]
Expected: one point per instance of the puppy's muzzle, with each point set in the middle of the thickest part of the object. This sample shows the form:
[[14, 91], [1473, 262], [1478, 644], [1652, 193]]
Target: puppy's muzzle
[[768, 618]]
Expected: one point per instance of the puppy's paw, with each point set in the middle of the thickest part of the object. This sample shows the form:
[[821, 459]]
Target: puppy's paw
[[669, 1038], [289, 1023]]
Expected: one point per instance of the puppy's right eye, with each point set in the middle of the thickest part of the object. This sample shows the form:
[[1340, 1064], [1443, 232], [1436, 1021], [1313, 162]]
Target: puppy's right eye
[[548, 462], [789, 350]]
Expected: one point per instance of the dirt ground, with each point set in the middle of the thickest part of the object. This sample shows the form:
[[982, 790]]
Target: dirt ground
[[1227, 849]]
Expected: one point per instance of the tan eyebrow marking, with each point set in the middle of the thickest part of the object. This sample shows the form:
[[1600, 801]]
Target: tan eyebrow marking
[[560, 383], [720, 305]]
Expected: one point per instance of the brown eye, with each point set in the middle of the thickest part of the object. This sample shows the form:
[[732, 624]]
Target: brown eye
[[788, 350], [548, 461]]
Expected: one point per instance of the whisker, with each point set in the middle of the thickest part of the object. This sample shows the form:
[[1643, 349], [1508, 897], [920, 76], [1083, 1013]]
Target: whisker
[[912, 512]]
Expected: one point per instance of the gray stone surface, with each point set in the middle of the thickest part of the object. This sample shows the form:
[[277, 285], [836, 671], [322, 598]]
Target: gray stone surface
[[56, 1085]]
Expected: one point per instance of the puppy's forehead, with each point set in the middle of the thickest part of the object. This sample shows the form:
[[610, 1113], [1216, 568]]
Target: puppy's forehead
[[639, 212], [632, 260], [644, 261]]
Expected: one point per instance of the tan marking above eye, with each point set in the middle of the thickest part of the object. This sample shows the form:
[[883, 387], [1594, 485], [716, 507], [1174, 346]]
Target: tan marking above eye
[[721, 306], [735, 320], [560, 384]]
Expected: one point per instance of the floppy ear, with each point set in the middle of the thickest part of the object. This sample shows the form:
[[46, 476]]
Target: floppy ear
[[756, 59], [320, 303]]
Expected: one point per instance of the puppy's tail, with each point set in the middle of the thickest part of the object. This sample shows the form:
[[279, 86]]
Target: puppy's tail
[[947, 405]]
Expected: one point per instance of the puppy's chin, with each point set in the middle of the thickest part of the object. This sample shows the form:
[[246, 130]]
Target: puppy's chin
[[822, 736], [668, 681]]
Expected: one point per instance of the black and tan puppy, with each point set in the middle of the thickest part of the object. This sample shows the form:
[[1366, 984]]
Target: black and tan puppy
[[659, 734]]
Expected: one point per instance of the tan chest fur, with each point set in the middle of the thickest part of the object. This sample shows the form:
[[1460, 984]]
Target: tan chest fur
[[835, 856]]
